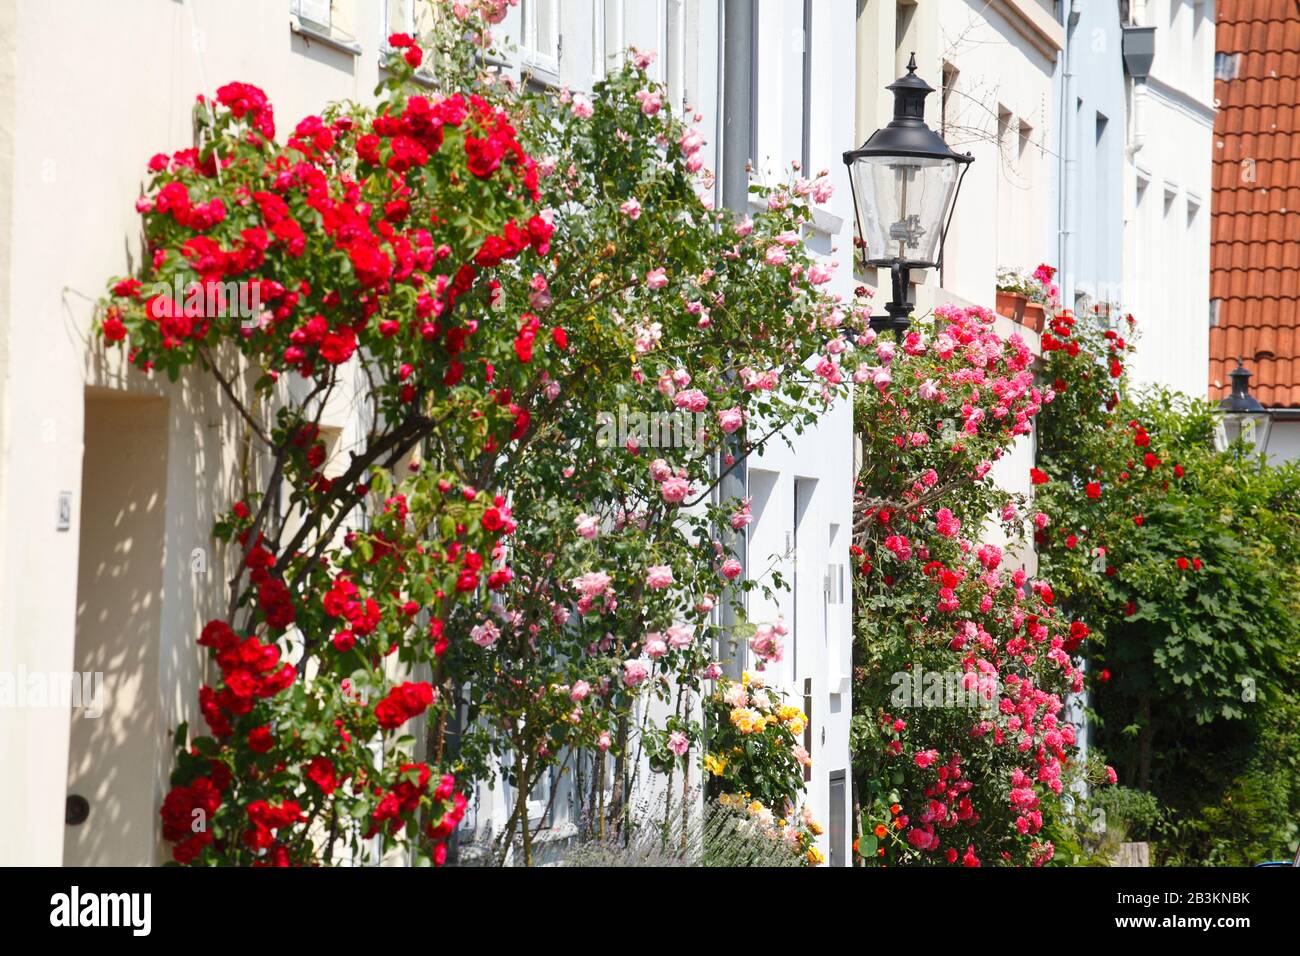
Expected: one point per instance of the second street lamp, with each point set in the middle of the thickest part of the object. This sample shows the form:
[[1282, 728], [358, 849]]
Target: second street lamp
[[904, 181], [1244, 418]]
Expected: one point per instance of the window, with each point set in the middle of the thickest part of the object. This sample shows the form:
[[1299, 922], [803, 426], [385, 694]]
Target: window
[[675, 52], [803, 535], [607, 36], [1226, 65], [904, 34], [315, 12], [598, 39], [313, 22], [398, 17], [805, 153], [539, 40]]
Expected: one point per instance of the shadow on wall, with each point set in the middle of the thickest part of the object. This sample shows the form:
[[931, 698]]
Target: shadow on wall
[[113, 758]]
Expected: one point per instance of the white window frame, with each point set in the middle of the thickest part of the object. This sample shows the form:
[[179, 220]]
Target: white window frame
[[542, 61], [674, 52], [614, 44], [387, 29], [598, 38]]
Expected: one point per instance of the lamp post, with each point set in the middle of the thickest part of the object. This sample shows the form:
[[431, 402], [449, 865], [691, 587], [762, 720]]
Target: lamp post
[[1244, 418], [904, 181]]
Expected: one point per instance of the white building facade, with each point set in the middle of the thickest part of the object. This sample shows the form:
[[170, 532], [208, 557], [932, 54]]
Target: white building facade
[[1167, 173], [109, 482]]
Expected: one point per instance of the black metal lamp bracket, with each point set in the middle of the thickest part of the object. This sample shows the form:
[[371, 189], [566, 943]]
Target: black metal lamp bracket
[[898, 309]]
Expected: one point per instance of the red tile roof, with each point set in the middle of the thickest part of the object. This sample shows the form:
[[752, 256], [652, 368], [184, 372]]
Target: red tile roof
[[1255, 237]]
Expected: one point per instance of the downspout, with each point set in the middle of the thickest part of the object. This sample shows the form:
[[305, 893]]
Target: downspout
[[1138, 136], [1068, 163], [738, 147]]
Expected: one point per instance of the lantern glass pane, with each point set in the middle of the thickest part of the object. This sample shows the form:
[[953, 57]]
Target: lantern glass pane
[[1251, 428], [902, 205]]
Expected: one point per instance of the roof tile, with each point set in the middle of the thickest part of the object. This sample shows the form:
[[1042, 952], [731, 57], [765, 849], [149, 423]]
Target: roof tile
[[1255, 208]]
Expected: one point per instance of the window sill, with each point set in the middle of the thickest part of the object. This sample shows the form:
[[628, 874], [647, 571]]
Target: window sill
[[540, 69], [312, 33], [424, 79]]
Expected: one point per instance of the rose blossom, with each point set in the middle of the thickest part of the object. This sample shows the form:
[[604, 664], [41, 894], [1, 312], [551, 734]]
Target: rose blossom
[[582, 107], [658, 577], [485, 634], [634, 672], [730, 419], [692, 400], [679, 636], [925, 758], [675, 490], [651, 102]]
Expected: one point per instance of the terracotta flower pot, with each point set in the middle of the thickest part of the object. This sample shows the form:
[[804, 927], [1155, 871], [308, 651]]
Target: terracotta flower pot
[[1035, 316], [1011, 305]]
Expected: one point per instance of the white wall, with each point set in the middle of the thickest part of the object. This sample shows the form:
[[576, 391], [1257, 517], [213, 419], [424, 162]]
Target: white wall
[[1167, 199], [1284, 441], [1001, 110]]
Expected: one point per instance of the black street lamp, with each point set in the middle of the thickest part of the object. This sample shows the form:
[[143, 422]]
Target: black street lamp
[[904, 180], [1244, 418]]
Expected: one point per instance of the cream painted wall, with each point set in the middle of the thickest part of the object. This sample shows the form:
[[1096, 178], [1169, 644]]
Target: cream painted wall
[[74, 173], [1004, 56]]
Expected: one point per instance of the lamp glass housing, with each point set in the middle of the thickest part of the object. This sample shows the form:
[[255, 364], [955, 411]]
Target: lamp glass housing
[[902, 204], [1252, 428]]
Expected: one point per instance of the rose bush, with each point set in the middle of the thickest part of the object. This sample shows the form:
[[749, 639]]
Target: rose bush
[[1185, 560], [963, 662], [690, 338], [369, 241], [756, 749]]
